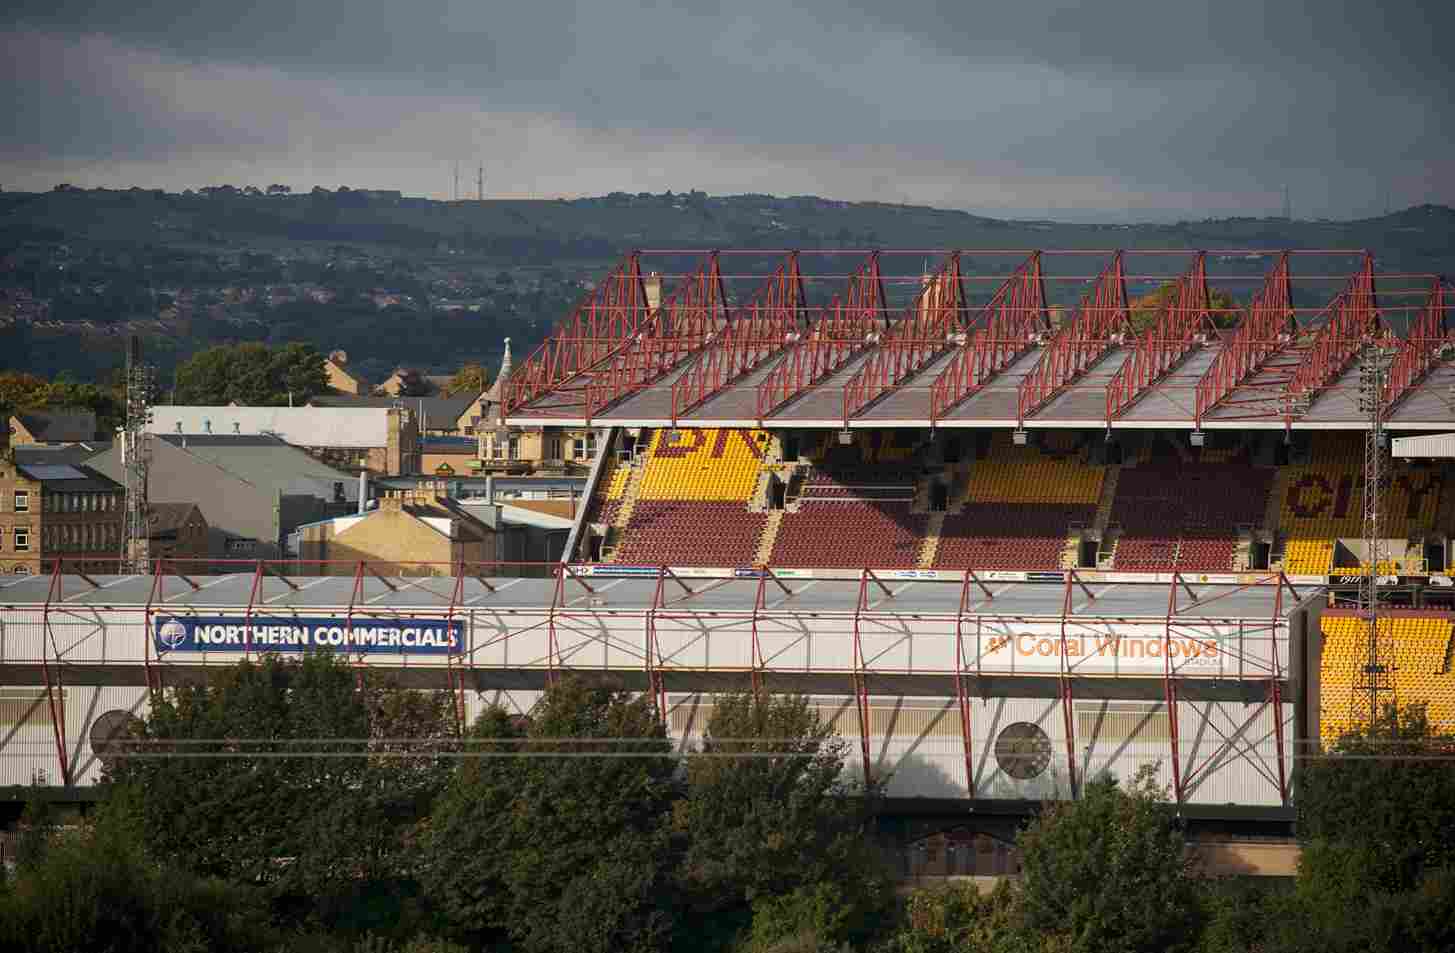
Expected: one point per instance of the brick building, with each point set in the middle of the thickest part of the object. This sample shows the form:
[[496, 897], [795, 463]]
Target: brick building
[[52, 427], [416, 531], [53, 510]]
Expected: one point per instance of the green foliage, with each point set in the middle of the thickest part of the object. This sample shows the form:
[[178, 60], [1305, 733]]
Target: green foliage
[[812, 919], [93, 888], [315, 826], [1387, 795], [1146, 310], [558, 851], [471, 378], [776, 821], [252, 375], [958, 918], [1109, 870]]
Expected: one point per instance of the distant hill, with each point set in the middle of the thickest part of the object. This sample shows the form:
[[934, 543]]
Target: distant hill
[[593, 228]]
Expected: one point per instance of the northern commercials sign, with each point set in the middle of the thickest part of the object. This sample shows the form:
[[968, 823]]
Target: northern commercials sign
[[205, 633]]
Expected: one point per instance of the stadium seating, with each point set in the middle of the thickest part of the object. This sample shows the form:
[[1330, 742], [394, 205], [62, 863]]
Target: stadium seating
[[850, 532], [1185, 515], [691, 533], [1420, 672], [692, 503], [1323, 501], [690, 464], [999, 536]]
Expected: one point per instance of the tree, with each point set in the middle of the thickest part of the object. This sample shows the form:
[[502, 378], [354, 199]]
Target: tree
[[471, 378], [1146, 310], [563, 849], [21, 391], [337, 810], [1386, 793], [778, 819], [1109, 871], [252, 375]]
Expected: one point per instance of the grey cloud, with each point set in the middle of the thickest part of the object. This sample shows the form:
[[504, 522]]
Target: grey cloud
[[1002, 107]]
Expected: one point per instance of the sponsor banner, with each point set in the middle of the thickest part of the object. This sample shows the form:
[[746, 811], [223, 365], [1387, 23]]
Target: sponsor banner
[[1121, 648], [1001, 575], [614, 570], [915, 574], [1045, 577], [206, 633]]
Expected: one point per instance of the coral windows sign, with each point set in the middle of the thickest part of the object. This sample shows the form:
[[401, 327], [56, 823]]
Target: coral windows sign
[[1127, 649], [302, 633]]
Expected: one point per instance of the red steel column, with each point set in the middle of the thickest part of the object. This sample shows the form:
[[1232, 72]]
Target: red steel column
[[861, 685], [54, 687], [1169, 685], [1067, 698], [961, 698]]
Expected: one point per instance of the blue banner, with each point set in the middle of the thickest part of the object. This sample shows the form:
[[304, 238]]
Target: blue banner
[[207, 633]]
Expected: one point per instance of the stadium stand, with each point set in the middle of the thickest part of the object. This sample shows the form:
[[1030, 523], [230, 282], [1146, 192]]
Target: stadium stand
[[854, 505], [1019, 504], [692, 505], [1421, 666], [1185, 514], [1323, 503]]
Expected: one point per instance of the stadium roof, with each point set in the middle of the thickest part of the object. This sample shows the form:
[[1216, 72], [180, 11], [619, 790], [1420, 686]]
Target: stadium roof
[[1102, 599], [993, 338]]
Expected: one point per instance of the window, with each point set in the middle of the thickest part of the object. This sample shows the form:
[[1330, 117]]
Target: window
[[22, 540], [583, 448], [22, 570], [22, 501]]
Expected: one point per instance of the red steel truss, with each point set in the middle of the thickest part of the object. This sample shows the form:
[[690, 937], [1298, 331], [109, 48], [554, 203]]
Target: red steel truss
[[1419, 351], [1166, 343], [840, 332], [695, 310], [1348, 324], [762, 328], [609, 317], [875, 606], [1080, 344], [1004, 330], [917, 338], [1265, 329]]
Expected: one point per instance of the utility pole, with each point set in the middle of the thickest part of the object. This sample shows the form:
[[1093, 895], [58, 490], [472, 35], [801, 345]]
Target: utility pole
[[480, 183], [136, 535], [457, 180]]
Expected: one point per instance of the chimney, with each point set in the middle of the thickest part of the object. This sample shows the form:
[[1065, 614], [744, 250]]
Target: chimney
[[363, 490]]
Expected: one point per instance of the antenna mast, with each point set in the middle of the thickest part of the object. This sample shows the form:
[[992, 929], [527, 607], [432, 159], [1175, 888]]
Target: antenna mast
[[480, 183], [1376, 675], [135, 548]]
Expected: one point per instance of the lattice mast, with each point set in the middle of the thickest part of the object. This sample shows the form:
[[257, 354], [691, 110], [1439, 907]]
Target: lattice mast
[[135, 548], [1375, 685]]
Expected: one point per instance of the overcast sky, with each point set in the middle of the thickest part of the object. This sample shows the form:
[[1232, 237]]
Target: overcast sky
[[1123, 111]]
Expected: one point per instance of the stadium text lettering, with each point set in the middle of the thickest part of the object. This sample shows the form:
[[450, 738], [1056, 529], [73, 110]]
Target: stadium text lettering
[[225, 634], [1034, 646]]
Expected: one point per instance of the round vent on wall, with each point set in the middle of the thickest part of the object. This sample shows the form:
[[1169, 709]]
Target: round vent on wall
[[1023, 751], [108, 732]]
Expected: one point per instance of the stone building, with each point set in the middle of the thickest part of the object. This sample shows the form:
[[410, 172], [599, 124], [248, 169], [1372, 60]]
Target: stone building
[[419, 531], [340, 377], [53, 510], [52, 427]]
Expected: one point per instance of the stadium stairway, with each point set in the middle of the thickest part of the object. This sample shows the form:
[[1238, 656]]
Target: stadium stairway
[[769, 539], [931, 546], [1108, 496]]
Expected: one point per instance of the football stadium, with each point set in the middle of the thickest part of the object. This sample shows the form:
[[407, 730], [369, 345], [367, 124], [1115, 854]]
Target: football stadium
[[1011, 519]]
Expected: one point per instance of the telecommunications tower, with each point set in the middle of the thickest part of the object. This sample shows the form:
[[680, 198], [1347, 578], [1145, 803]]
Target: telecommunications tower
[[135, 555], [1374, 685]]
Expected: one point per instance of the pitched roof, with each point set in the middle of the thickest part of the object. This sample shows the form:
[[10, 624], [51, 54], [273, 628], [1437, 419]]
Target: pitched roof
[[431, 408], [54, 426], [165, 518], [65, 478], [266, 462]]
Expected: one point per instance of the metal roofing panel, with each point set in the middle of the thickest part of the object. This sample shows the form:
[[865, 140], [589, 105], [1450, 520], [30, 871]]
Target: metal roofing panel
[[303, 426], [1108, 600], [52, 471], [1429, 445]]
